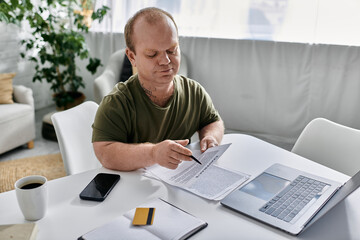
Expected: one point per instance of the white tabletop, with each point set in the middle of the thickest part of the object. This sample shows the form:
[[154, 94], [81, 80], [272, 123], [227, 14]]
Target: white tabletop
[[68, 217]]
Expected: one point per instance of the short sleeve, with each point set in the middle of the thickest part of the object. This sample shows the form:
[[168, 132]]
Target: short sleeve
[[209, 114], [112, 120]]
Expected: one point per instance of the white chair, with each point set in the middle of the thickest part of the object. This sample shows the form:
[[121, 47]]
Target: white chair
[[111, 75], [330, 144], [73, 130]]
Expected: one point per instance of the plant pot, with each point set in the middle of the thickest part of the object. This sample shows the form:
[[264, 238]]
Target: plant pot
[[78, 97]]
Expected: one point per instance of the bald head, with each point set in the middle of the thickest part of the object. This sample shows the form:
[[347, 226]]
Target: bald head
[[150, 16]]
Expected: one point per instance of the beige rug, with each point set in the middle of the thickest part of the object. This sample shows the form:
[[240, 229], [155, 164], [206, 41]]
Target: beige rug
[[51, 166]]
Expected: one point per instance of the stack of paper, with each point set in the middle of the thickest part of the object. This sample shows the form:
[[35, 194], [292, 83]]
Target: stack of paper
[[206, 180]]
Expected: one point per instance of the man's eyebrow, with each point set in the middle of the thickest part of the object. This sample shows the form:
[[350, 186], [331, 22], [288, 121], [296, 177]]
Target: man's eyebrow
[[154, 50]]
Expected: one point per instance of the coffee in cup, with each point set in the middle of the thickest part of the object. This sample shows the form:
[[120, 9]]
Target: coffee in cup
[[32, 196], [31, 185]]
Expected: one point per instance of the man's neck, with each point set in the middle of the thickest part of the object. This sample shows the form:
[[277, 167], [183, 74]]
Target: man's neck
[[158, 94]]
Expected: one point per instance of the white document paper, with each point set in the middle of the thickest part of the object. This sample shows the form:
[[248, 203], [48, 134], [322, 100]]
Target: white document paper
[[169, 222], [206, 180]]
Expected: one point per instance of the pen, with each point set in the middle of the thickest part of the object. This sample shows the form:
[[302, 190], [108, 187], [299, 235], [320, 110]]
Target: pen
[[195, 159]]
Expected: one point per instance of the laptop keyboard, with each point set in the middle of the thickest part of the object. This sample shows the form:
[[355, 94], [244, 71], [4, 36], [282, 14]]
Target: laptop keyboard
[[290, 201]]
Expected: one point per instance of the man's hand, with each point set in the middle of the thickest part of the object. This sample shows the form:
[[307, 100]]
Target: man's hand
[[170, 153], [208, 142]]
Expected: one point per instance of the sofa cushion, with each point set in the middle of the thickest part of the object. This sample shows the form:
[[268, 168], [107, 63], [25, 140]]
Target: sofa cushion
[[9, 112], [6, 88], [17, 125]]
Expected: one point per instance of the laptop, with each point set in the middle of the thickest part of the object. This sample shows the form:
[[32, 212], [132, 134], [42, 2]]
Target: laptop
[[289, 199]]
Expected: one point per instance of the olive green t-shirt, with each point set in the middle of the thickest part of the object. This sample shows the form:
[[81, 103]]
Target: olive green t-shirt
[[128, 115]]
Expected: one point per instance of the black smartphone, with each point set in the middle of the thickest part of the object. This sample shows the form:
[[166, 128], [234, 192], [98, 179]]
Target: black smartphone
[[99, 188]]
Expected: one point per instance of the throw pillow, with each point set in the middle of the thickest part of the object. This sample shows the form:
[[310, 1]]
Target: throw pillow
[[6, 88]]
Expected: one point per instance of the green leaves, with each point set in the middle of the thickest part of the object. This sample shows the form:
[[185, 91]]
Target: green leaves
[[56, 41], [13, 11], [100, 13], [94, 63], [3, 17]]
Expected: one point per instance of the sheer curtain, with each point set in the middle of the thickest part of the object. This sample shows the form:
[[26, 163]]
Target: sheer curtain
[[203, 18], [120, 12], [305, 21]]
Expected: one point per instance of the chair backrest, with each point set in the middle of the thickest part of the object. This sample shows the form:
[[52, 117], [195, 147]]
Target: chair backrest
[[330, 144], [73, 131], [104, 83]]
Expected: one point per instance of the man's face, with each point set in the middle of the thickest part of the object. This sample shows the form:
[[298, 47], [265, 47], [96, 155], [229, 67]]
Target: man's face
[[157, 57]]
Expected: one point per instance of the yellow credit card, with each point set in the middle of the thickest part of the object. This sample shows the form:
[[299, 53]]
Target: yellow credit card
[[144, 216]]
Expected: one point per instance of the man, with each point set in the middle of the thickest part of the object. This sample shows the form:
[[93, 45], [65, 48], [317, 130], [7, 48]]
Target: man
[[149, 118]]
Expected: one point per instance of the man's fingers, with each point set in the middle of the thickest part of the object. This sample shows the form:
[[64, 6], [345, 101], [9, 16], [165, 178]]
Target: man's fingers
[[203, 145], [178, 148], [206, 143], [183, 142], [171, 153], [172, 166], [180, 156], [175, 161]]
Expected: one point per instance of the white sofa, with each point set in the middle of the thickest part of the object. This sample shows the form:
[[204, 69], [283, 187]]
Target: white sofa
[[17, 120]]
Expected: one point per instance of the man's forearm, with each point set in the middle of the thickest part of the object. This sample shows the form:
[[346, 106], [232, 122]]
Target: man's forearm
[[215, 130], [128, 157], [123, 156]]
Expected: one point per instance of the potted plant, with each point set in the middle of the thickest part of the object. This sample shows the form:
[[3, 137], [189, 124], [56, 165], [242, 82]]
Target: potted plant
[[56, 42]]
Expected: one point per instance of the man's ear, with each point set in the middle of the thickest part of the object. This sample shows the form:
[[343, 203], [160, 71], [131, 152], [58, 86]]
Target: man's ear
[[131, 56]]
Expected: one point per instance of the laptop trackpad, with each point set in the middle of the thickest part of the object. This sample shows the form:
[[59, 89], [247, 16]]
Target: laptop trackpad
[[265, 186]]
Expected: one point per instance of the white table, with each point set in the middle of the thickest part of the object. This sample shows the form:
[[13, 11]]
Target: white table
[[68, 217]]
